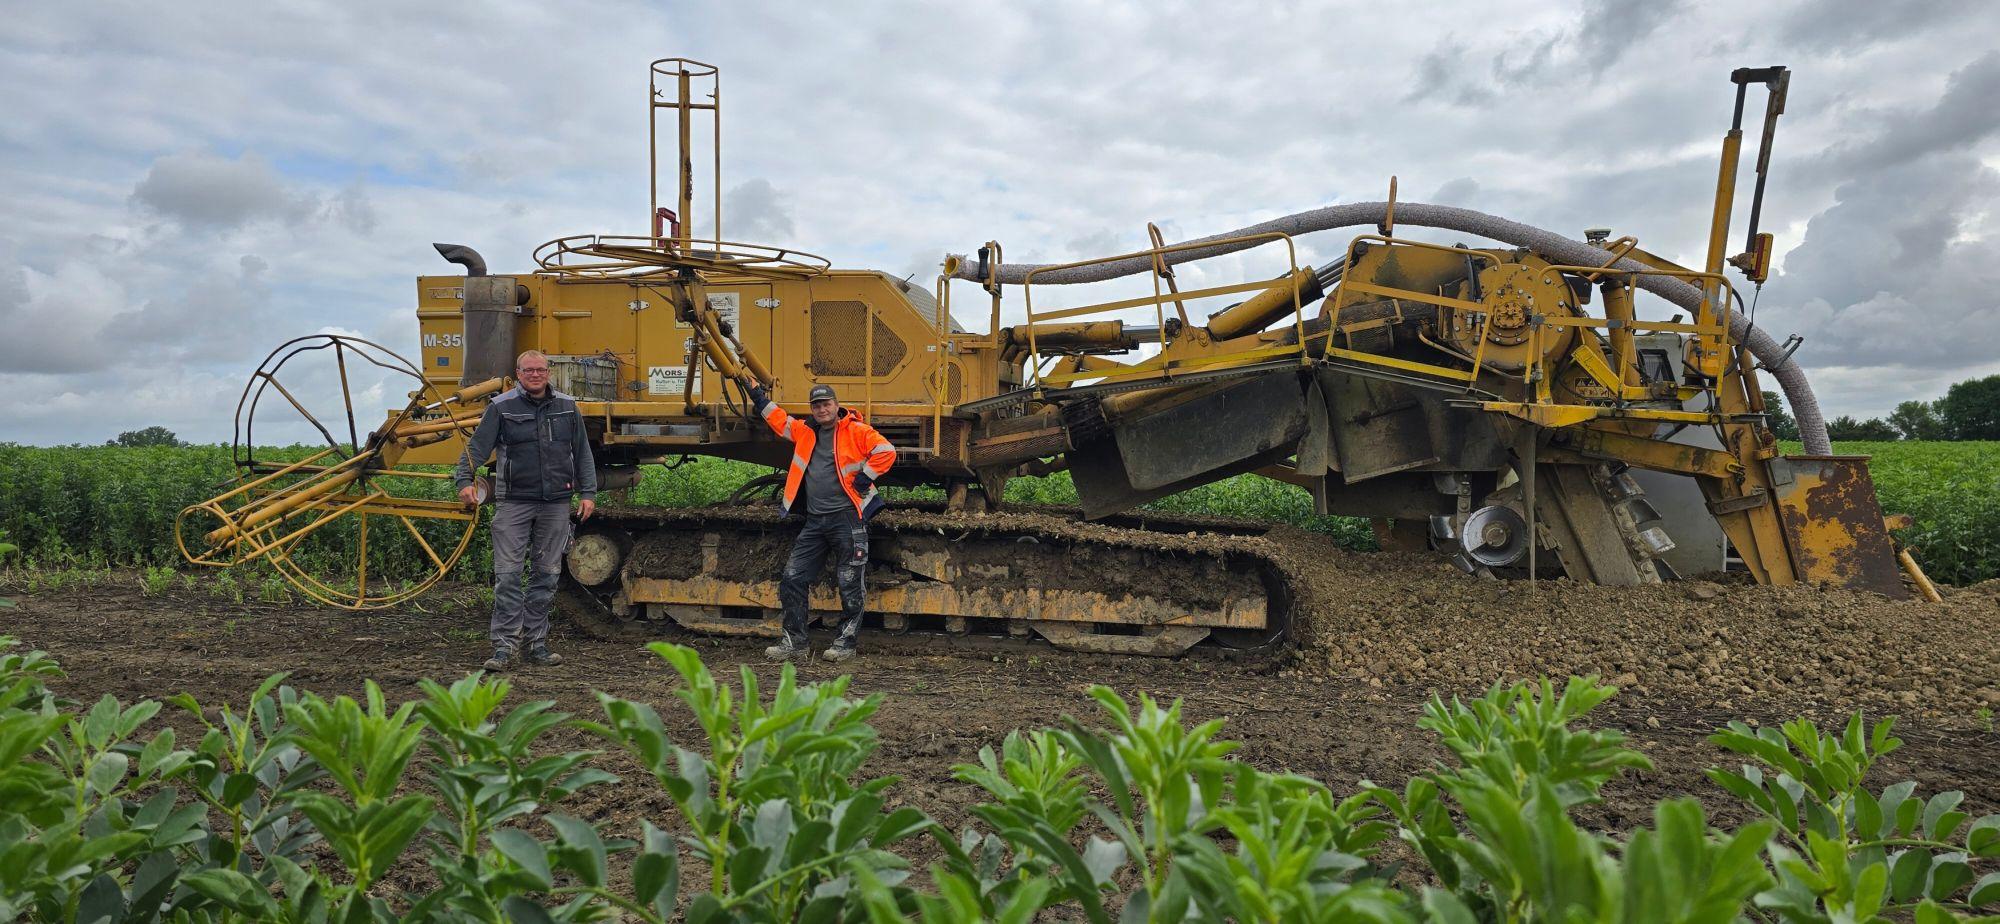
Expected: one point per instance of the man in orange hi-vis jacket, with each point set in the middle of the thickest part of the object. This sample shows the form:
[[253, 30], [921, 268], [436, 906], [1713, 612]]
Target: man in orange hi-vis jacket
[[836, 457]]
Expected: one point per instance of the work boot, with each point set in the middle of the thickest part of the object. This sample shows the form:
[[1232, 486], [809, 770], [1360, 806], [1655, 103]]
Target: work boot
[[787, 649], [499, 660], [540, 656], [840, 650]]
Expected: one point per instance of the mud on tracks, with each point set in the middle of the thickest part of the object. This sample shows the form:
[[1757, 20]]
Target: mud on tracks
[[1192, 560]]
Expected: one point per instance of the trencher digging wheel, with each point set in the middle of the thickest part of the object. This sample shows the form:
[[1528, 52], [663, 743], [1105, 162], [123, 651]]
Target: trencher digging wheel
[[338, 517]]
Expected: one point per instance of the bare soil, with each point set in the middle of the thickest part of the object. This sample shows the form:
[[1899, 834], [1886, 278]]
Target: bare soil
[[1377, 636]]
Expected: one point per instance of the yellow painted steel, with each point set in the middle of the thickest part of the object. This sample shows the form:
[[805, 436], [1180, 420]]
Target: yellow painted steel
[[272, 508], [1181, 352], [1258, 311]]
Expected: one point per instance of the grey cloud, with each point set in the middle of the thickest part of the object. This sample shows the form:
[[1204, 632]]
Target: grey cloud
[[1105, 242], [224, 306], [1441, 75], [755, 212], [1852, 25], [1456, 192], [1967, 114], [52, 329], [1512, 65], [1600, 37], [203, 190], [1890, 276], [352, 208], [1608, 30]]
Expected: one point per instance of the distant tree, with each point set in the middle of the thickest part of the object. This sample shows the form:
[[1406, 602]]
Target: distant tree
[[1778, 417], [151, 436], [1971, 409], [1845, 428], [1918, 420]]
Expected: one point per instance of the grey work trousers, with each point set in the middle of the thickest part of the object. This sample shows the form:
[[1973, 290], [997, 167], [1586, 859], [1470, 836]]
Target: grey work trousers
[[846, 537], [522, 529]]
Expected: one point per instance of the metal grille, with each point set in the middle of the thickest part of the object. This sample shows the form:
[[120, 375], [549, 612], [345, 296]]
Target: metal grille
[[950, 445], [839, 337], [592, 378]]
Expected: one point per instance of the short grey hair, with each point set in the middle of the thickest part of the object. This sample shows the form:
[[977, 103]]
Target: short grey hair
[[531, 354]]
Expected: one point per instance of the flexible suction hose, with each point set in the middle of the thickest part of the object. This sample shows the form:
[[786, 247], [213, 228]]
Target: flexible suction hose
[[1790, 375]]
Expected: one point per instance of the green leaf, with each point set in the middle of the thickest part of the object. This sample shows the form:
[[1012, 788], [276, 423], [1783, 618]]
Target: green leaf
[[1948, 872], [773, 825], [1931, 912], [656, 881], [107, 771], [237, 788], [1908, 815], [1867, 815], [100, 901], [1938, 811], [389, 829], [1908, 871], [101, 721], [519, 909], [1892, 802], [1028, 899], [1869, 888], [1982, 840], [900, 824], [1445, 908], [584, 849], [1985, 892], [527, 853], [233, 890], [1103, 859]]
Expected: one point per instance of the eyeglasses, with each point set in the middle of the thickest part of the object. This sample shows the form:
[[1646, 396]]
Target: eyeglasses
[[543, 370]]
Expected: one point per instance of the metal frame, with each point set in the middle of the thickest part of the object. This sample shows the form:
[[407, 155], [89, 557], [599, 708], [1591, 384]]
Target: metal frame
[[1162, 366]]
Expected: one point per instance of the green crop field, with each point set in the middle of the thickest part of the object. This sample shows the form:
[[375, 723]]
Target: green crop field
[[108, 505]]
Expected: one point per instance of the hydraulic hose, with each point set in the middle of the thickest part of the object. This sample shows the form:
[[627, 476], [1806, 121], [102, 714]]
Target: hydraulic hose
[[1790, 375]]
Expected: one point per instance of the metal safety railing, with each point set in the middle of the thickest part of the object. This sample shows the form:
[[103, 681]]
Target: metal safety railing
[[1343, 296], [1164, 291]]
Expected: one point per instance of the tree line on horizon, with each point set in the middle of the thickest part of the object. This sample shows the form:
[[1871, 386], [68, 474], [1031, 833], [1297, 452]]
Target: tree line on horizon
[[1969, 410]]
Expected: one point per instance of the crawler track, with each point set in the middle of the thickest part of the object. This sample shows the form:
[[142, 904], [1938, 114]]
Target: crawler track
[[1144, 585]]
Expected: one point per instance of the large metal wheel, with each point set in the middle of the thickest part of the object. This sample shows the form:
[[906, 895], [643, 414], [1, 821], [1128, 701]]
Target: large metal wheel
[[334, 513]]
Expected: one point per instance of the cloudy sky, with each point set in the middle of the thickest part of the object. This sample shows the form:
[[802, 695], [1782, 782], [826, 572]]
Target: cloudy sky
[[186, 185]]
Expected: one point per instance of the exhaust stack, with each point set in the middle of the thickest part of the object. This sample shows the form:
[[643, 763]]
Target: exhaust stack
[[491, 305]]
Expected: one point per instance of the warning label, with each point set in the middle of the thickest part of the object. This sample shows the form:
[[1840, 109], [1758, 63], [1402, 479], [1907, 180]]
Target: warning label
[[725, 305]]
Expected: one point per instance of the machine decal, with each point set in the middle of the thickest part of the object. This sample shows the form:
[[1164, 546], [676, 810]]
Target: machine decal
[[668, 380]]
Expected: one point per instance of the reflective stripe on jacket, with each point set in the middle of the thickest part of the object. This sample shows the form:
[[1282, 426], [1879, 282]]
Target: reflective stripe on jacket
[[856, 448]]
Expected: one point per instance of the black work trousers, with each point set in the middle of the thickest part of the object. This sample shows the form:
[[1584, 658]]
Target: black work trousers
[[845, 536]]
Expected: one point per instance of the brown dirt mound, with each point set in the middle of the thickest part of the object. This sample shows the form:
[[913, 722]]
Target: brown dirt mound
[[1387, 618]]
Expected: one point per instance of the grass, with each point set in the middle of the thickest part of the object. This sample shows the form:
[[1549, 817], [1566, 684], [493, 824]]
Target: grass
[[75, 511]]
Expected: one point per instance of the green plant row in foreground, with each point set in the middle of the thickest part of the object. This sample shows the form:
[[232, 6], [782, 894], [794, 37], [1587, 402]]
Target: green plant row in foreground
[[115, 505], [301, 808]]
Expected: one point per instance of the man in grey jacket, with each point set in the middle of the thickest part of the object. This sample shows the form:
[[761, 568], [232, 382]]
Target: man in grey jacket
[[544, 460]]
